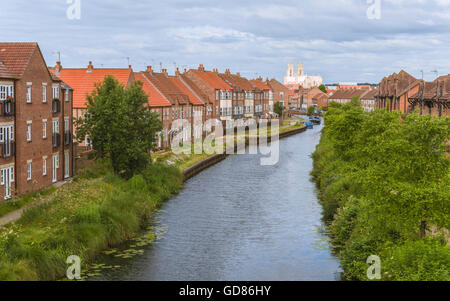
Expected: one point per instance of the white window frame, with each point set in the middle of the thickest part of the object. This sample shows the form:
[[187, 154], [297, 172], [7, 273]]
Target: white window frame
[[67, 162], [44, 166], [5, 91], [29, 171], [29, 92], [44, 129], [44, 92], [55, 91], [29, 130]]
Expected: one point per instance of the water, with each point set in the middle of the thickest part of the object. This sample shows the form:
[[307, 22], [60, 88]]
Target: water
[[239, 221]]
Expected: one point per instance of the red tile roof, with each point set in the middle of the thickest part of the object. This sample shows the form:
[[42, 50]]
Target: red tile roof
[[165, 85], [193, 99], [260, 85], [4, 72], [16, 56], [212, 79], [199, 92], [155, 98], [236, 81], [83, 82]]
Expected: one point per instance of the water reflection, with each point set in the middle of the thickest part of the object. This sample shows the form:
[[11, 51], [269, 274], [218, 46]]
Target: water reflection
[[242, 221]]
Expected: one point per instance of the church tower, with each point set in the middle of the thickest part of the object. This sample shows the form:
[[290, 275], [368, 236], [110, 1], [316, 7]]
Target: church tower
[[290, 70], [300, 69]]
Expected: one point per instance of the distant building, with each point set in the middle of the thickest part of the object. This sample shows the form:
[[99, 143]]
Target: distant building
[[293, 80]]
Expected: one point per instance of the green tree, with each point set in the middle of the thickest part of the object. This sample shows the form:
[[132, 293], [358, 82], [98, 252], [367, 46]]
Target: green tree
[[323, 88], [120, 125], [278, 108], [311, 110]]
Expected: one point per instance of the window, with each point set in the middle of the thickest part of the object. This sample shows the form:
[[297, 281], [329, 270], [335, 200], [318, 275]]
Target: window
[[66, 163], [44, 92], [55, 128], [5, 91], [28, 171], [29, 131], [28, 93], [66, 95], [44, 129], [55, 92], [44, 166], [66, 124]]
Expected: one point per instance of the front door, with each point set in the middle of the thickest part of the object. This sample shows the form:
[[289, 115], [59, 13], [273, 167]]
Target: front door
[[54, 168], [6, 135], [7, 175], [66, 165]]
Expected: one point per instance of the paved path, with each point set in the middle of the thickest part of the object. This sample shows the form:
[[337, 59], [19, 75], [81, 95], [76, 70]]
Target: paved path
[[16, 214]]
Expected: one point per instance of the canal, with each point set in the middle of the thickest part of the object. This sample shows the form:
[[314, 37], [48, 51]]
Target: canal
[[240, 221]]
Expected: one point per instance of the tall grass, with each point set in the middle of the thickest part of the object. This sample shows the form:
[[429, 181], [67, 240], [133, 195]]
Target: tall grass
[[98, 210]]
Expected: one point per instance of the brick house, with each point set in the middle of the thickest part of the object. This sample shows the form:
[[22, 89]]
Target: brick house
[[83, 80], [394, 91], [344, 96], [217, 91], [36, 122], [159, 104], [431, 98], [244, 100], [368, 100], [267, 96], [280, 92]]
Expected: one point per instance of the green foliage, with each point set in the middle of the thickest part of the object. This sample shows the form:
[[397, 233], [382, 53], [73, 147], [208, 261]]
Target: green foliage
[[323, 88], [83, 218], [383, 183], [120, 125], [311, 110], [278, 108]]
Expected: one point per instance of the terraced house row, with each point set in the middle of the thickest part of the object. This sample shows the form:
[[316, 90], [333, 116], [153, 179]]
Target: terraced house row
[[194, 95], [405, 93], [38, 105], [35, 122]]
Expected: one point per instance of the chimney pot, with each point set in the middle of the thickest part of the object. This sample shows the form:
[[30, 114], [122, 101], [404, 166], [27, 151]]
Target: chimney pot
[[58, 67], [90, 67], [177, 72]]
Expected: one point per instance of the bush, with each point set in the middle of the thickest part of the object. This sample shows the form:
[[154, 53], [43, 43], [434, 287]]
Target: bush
[[383, 181]]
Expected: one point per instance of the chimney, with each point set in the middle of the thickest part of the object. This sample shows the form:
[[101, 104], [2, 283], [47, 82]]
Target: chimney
[[238, 74], [164, 71], [129, 67], [58, 67], [149, 69], [90, 67], [201, 68], [177, 72], [227, 71], [185, 70]]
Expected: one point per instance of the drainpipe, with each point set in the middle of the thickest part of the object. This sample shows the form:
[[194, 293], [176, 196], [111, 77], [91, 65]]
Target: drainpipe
[[15, 137]]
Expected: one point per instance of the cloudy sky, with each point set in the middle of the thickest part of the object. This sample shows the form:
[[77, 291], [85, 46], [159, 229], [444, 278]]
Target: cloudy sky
[[333, 38]]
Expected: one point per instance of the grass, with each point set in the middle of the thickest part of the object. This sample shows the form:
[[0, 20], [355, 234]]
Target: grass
[[17, 203], [95, 212]]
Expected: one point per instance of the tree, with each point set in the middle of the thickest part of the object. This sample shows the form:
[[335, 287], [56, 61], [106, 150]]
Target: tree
[[311, 110], [120, 125], [323, 89], [278, 109]]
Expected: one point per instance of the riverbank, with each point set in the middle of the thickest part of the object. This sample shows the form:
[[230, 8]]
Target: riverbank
[[95, 212], [383, 185], [82, 219]]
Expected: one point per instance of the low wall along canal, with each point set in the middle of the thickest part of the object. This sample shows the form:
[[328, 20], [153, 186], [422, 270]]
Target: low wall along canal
[[238, 220]]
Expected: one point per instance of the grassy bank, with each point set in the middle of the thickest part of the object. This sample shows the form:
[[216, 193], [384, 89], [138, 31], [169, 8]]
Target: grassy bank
[[384, 187], [97, 211]]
